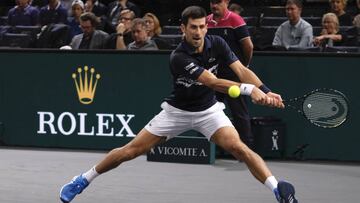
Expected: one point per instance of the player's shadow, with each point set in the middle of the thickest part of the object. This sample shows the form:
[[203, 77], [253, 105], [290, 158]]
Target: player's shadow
[[230, 165]]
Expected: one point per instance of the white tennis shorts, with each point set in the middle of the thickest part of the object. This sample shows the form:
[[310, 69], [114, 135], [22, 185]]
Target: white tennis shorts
[[172, 121]]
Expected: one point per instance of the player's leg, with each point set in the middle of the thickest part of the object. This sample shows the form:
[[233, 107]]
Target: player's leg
[[228, 139], [139, 145], [241, 119]]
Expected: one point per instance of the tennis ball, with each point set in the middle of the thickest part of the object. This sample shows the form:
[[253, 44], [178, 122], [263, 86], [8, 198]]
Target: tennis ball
[[234, 91]]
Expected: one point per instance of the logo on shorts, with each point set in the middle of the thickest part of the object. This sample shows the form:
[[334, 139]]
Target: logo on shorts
[[86, 82]]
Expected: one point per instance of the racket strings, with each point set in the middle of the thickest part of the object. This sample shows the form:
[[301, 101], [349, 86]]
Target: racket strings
[[326, 109]]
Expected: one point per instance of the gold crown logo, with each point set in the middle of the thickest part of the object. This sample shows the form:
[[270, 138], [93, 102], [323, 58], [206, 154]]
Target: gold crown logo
[[86, 87]]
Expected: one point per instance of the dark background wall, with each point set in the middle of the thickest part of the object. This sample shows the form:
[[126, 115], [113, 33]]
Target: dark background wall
[[133, 84]]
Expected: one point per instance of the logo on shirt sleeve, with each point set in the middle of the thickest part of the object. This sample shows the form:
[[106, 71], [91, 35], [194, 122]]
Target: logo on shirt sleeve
[[191, 68]]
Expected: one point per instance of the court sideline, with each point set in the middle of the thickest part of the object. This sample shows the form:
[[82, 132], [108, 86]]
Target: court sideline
[[36, 175]]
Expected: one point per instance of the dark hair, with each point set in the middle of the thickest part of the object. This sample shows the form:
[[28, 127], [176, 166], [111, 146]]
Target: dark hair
[[91, 17], [193, 12], [298, 3]]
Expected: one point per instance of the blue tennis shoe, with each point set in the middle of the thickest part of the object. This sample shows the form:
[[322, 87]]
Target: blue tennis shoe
[[70, 190], [286, 192]]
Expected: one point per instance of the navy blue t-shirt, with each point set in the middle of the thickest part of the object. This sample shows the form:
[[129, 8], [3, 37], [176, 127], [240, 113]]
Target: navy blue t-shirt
[[186, 66]]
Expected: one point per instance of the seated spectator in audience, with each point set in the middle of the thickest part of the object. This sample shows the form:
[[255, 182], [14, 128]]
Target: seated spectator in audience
[[122, 37], [356, 21], [77, 9], [115, 9], [91, 38], [236, 8], [140, 35], [97, 8], [153, 25], [53, 13], [330, 34], [339, 8], [66, 4], [23, 14], [295, 32]]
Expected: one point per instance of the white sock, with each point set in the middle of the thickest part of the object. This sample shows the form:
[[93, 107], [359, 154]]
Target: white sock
[[91, 174], [271, 183]]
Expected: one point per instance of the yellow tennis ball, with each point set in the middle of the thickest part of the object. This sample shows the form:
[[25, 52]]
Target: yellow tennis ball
[[234, 91]]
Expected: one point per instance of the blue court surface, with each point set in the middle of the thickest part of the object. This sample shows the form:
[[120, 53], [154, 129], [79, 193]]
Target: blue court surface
[[36, 175]]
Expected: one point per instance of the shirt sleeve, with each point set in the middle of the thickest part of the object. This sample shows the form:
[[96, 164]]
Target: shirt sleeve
[[277, 37], [227, 55], [182, 64]]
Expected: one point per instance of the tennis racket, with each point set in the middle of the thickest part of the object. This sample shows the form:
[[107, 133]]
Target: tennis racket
[[326, 108]]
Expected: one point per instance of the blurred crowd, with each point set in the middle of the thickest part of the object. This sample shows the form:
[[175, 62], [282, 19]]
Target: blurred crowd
[[154, 25]]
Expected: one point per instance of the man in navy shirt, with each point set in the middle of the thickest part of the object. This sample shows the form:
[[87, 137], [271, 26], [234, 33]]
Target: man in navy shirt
[[54, 12], [23, 14], [193, 106]]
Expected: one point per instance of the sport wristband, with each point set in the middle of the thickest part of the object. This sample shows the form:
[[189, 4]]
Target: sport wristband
[[246, 89], [264, 89]]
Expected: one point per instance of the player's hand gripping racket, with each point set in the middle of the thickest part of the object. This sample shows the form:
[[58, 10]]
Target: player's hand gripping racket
[[326, 108]]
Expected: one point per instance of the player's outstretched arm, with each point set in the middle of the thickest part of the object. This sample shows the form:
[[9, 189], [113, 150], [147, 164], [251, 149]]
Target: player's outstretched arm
[[222, 85]]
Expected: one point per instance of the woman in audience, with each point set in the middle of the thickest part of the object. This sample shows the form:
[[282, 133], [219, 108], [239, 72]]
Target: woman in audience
[[77, 8], [330, 34], [154, 31], [339, 8], [153, 25]]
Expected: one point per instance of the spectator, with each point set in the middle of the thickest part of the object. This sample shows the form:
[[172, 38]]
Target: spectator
[[330, 34], [295, 32], [91, 38], [236, 8], [122, 37], [53, 13], [77, 9], [67, 4], [115, 9], [142, 41], [356, 29], [227, 22], [153, 25], [356, 21], [94, 6], [339, 8], [23, 14]]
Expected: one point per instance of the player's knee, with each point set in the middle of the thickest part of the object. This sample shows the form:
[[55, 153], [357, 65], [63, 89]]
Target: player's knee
[[241, 152]]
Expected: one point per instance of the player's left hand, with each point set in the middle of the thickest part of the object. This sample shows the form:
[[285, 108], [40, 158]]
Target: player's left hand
[[275, 100]]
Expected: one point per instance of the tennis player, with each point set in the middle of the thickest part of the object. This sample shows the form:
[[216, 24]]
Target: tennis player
[[193, 106]]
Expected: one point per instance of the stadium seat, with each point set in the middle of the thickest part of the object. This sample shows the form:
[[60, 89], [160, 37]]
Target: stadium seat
[[264, 37], [251, 20], [171, 30], [15, 40], [32, 31], [272, 21], [3, 20], [274, 11], [314, 21], [167, 42], [251, 11], [314, 11], [317, 30]]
